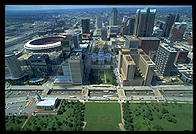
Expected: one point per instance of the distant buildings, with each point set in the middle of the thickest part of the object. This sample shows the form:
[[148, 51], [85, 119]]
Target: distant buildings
[[114, 16], [144, 22], [165, 58], [135, 67], [85, 26], [101, 57], [13, 66], [177, 31]]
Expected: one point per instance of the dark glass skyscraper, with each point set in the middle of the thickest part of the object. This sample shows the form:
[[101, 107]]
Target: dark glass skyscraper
[[114, 16], [168, 25], [85, 26], [144, 22]]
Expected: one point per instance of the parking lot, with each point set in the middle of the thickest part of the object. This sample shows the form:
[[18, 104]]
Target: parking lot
[[19, 108]]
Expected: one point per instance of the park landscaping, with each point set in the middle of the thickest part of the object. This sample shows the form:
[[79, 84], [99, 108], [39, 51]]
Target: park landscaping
[[102, 116], [14, 123], [102, 76], [158, 117], [70, 117]]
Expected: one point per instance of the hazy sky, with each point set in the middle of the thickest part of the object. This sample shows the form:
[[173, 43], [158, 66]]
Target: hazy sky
[[46, 7]]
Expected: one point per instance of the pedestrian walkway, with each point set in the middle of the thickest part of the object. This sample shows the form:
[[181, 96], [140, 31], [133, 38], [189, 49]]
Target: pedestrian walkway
[[121, 125]]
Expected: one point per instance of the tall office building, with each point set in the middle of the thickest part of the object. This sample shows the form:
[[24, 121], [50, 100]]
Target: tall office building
[[76, 40], [144, 22], [104, 33], [98, 22], [168, 25], [146, 65], [177, 31], [128, 26], [13, 66], [85, 26], [177, 18], [131, 23], [181, 56], [165, 58], [114, 17], [76, 68]]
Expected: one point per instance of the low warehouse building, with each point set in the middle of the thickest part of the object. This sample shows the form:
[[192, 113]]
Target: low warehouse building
[[47, 103]]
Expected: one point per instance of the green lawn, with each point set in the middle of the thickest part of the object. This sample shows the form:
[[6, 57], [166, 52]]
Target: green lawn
[[102, 116], [102, 76], [182, 113]]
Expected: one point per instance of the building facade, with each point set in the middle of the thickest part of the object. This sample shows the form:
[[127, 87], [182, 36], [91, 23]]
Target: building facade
[[76, 68], [165, 58], [135, 67], [149, 44], [181, 56], [131, 42], [177, 31]]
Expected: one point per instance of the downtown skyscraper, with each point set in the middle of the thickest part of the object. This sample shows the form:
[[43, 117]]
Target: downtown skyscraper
[[168, 25], [144, 22], [85, 26], [114, 17]]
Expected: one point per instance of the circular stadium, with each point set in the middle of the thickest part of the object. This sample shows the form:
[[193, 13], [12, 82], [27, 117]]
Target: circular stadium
[[44, 43]]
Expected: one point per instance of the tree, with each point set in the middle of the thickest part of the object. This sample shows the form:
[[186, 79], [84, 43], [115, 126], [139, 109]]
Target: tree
[[164, 111]]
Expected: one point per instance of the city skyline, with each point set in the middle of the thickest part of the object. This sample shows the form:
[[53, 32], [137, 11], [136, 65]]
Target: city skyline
[[98, 68], [59, 7]]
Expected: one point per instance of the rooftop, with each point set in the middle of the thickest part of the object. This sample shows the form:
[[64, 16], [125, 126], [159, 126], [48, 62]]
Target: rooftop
[[75, 56], [180, 23], [129, 59], [149, 38], [38, 57], [125, 50], [25, 56], [167, 47], [131, 37], [47, 101]]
